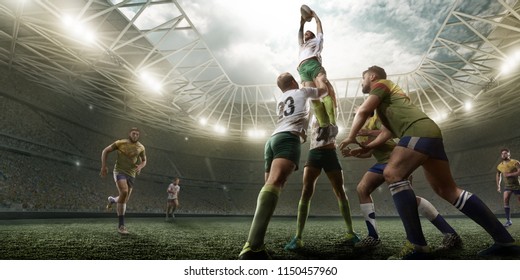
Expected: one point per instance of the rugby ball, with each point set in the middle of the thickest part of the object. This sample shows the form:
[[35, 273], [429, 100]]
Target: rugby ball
[[306, 12]]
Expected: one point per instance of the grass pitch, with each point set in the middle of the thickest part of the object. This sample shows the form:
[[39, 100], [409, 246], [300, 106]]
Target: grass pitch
[[214, 238]]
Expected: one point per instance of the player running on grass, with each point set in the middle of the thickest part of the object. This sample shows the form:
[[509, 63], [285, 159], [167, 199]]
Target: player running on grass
[[510, 169], [131, 158]]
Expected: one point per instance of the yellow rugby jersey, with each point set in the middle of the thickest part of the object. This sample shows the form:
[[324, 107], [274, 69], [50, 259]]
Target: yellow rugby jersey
[[508, 167], [398, 114], [128, 156]]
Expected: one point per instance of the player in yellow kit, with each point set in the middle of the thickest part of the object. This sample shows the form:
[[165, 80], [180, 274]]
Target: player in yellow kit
[[510, 169], [131, 158]]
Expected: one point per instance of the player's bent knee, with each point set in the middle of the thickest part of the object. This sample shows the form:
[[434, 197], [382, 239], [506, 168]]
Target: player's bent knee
[[392, 177]]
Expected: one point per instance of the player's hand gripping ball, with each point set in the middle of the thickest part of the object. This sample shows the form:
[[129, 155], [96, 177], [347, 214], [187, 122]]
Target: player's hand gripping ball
[[306, 12]]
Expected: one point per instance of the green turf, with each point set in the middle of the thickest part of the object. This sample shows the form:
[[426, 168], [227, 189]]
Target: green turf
[[211, 238]]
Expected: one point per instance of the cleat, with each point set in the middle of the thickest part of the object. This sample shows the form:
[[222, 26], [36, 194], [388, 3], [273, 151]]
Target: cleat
[[411, 252], [294, 244], [111, 201], [451, 241], [122, 230], [352, 239], [323, 133], [508, 223], [368, 242], [249, 254], [501, 249]]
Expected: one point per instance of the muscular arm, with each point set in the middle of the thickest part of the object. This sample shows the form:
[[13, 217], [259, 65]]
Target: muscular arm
[[104, 155], [142, 164], [369, 132], [499, 180], [300, 32], [363, 113], [384, 135], [319, 27]]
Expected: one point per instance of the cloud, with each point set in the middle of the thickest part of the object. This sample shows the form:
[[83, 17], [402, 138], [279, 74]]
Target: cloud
[[254, 41]]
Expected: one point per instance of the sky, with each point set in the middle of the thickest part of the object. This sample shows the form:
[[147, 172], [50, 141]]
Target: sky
[[255, 41]]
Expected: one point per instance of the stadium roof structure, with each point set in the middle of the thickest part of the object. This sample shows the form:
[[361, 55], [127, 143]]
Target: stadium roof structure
[[114, 68]]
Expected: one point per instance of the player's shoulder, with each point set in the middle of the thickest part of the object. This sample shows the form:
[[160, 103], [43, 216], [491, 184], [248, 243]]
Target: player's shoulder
[[121, 142], [384, 83]]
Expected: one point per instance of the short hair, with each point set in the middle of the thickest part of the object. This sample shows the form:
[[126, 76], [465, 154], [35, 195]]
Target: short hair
[[378, 71], [505, 150], [313, 35], [134, 129], [284, 81]]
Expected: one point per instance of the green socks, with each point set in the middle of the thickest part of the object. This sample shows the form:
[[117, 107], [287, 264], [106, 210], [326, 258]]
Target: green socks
[[265, 206], [303, 213], [344, 208]]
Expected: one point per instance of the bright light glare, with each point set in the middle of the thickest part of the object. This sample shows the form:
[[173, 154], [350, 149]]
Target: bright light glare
[[203, 121], [256, 133], [150, 81], [439, 117], [78, 29], [511, 63], [340, 129], [67, 21], [90, 37], [220, 129], [468, 105]]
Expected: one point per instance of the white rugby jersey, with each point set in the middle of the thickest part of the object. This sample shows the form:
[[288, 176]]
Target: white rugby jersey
[[293, 109], [311, 48], [173, 191]]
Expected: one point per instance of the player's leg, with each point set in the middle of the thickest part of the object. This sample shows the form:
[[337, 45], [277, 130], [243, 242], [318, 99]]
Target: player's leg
[[370, 181], [175, 204], [124, 191], [439, 176], [318, 107], [168, 208], [320, 112], [403, 161], [267, 199], [451, 239], [507, 207], [308, 71], [329, 102], [310, 175], [336, 179], [111, 201]]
